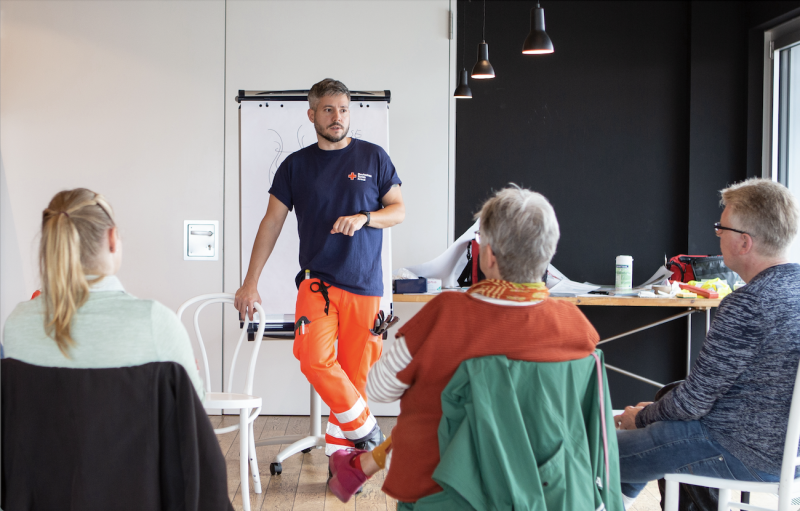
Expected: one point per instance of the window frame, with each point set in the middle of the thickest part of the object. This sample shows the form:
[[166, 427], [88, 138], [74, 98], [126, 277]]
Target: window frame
[[781, 37]]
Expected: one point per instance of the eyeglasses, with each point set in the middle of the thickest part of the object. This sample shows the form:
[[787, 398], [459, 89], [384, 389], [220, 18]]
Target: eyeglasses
[[718, 228]]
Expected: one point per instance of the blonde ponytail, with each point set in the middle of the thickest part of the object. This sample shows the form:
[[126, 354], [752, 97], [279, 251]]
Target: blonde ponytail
[[73, 227]]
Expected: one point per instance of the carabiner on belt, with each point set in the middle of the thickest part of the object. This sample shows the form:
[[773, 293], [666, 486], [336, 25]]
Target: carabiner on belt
[[322, 288]]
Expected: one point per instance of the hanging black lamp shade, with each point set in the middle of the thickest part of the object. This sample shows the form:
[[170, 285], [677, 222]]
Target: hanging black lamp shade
[[537, 41], [483, 69], [463, 90]]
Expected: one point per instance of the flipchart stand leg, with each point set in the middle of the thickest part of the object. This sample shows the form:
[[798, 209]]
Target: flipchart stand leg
[[316, 413], [688, 344]]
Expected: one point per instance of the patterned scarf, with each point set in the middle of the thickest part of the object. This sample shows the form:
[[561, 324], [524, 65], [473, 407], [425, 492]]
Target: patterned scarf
[[504, 290]]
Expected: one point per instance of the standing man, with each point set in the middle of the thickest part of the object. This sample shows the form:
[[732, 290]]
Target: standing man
[[345, 190]]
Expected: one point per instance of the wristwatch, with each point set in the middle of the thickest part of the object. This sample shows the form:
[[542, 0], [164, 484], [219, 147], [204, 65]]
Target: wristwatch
[[365, 212]]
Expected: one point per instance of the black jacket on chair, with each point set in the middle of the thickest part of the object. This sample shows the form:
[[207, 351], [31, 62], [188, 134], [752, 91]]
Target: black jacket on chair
[[129, 438]]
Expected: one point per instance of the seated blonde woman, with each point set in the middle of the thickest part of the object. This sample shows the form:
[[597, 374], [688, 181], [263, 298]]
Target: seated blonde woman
[[83, 317]]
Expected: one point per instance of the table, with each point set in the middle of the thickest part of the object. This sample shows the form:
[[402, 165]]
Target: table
[[691, 306]]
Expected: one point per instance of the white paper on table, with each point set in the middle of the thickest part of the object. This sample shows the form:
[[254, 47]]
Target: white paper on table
[[568, 288], [449, 265], [553, 276], [658, 277], [560, 285]]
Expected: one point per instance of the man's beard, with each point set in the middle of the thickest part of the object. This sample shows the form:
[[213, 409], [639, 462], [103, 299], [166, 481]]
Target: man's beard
[[321, 132]]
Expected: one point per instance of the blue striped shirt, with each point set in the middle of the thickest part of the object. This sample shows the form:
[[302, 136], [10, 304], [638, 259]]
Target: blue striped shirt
[[741, 385]]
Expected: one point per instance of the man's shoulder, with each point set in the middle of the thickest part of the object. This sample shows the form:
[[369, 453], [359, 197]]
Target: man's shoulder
[[772, 294], [778, 282], [308, 151], [363, 146]]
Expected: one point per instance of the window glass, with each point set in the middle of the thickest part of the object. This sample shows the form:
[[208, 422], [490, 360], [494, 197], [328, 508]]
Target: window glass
[[786, 124]]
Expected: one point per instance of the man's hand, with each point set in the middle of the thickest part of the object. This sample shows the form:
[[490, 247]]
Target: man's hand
[[348, 224], [246, 296], [627, 420]]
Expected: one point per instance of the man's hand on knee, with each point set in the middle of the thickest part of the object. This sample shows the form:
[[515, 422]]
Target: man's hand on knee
[[627, 420]]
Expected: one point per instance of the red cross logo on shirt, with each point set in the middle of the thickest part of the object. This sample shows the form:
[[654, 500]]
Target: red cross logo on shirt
[[352, 176]]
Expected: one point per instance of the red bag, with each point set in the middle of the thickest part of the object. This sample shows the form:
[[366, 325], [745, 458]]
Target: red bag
[[477, 274], [700, 267], [681, 266]]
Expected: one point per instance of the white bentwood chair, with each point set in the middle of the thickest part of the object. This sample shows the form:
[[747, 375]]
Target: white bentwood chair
[[245, 402], [787, 488]]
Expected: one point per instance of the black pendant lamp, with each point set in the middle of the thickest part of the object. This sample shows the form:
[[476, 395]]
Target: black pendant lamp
[[483, 69], [463, 91], [538, 41]]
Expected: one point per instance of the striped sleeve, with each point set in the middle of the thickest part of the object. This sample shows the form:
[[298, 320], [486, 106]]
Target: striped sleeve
[[383, 386]]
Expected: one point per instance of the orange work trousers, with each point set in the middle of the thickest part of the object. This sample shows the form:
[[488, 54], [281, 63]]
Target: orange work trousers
[[339, 378]]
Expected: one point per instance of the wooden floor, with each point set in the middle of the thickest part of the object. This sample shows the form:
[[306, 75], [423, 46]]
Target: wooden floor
[[303, 483]]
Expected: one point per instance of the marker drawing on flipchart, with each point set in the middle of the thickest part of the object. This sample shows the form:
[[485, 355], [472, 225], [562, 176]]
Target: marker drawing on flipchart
[[281, 153]]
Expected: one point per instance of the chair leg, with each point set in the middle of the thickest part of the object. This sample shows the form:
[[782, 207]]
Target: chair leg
[[253, 460], [243, 450], [671, 496], [724, 500]]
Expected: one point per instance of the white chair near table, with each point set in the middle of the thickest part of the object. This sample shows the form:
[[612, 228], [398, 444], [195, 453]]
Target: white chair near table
[[787, 488], [249, 406]]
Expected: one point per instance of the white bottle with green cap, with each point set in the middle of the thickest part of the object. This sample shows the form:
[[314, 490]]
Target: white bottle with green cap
[[624, 279]]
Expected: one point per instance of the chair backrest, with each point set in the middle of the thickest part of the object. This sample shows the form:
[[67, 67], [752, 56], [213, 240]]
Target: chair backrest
[[209, 299], [579, 425], [790, 446], [111, 438]]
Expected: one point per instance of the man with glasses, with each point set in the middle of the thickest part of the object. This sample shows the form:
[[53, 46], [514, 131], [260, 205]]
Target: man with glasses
[[728, 418]]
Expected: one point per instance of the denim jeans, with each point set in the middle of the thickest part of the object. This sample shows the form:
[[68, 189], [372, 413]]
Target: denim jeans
[[647, 454]]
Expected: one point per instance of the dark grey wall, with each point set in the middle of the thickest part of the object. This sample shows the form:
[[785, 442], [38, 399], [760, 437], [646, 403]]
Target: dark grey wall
[[717, 114], [630, 128]]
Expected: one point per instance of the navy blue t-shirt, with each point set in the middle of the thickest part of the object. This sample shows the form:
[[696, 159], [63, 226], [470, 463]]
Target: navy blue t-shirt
[[324, 185]]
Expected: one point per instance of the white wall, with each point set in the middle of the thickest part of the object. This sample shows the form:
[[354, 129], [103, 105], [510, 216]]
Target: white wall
[[124, 98], [136, 100], [402, 46]]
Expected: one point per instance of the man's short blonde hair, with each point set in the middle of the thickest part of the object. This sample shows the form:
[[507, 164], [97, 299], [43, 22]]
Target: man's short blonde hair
[[766, 210], [327, 87], [521, 227]]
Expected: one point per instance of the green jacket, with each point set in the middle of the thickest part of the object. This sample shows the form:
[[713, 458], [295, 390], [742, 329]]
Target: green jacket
[[525, 436]]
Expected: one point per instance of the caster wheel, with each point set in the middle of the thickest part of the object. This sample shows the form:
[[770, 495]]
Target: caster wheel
[[306, 451], [275, 469]]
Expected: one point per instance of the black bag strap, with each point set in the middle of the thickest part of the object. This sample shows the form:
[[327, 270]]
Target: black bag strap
[[465, 279]]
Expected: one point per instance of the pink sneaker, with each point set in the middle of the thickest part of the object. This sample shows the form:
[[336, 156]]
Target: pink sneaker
[[346, 480]]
